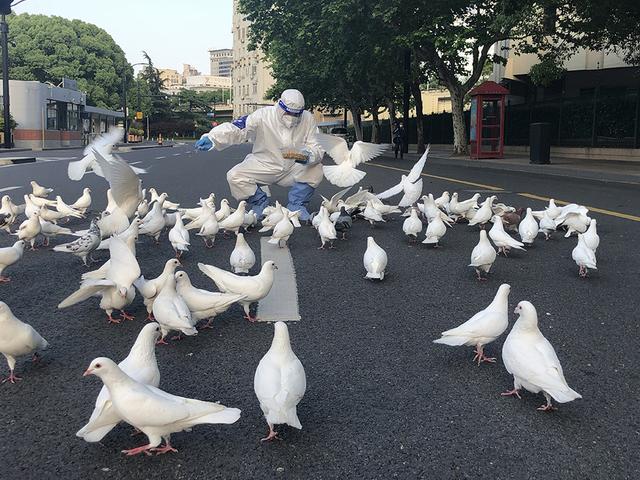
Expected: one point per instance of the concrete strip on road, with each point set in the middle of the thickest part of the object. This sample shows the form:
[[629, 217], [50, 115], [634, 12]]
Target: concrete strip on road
[[281, 305], [8, 189], [454, 180], [626, 216]]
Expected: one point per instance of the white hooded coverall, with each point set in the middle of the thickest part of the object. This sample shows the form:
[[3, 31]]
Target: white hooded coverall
[[265, 165]]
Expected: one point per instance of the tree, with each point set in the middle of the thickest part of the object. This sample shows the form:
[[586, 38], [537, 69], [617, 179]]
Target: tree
[[46, 49]]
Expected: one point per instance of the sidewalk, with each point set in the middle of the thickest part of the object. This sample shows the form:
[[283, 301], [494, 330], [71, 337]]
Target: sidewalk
[[597, 170]]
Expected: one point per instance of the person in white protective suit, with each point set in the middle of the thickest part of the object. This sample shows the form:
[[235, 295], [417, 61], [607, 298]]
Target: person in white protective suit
[[285, 152]]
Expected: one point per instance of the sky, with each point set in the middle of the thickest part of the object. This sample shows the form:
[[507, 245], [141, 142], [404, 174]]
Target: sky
[[171, 32]]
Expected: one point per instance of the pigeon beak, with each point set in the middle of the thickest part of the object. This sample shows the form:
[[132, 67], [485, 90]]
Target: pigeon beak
[[179, 264], [275, 266], [87, 372]]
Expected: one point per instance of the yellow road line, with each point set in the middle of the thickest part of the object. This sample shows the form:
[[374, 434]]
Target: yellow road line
[[454, 180], [626, 216]]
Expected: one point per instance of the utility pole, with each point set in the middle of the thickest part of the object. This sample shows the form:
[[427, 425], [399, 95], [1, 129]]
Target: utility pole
[[405, 99], [5, 9], [124, 99]]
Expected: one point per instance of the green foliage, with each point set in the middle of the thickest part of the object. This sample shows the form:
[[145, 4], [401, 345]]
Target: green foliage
[[546, 72], [12, 122], [46, 49]]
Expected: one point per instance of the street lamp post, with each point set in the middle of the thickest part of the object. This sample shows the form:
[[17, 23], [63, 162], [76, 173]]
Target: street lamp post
[[124, 96], [4, 32]]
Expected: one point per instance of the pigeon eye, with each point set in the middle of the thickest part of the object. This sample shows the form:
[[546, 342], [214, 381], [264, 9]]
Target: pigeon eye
[[98, 365]]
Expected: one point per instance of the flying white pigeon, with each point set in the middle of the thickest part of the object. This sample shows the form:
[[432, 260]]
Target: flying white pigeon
[[528, 228], [149, 289], [254, 288], [584, 257], [155, 412], [280, 382], [502, 239], [17, 339], [124, 182], [104, 143], [142, 366], [410, 184], [531, 359], [202, 303], [344, 173], [242, 258], [483, 328], [375, 260], [483, 255], [9, 256]]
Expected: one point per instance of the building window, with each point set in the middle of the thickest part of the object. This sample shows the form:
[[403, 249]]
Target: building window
[[255, 88], [52, 115], [73, 117]]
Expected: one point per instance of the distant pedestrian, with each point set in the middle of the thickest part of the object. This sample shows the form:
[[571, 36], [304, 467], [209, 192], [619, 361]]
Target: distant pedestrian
[[398, 139]]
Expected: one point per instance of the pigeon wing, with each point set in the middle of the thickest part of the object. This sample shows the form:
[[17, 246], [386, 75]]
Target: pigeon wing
[[335, 147]]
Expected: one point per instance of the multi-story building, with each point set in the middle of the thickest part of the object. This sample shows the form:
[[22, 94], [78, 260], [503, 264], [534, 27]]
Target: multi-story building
[[208, 83], [251, 76], [189, 71], [172, 80], [221, 62]]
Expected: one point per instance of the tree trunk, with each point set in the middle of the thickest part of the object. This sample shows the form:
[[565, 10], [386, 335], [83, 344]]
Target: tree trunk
[[391, 107], [460, 140], [357, 122], [417, 97], [375, 128]]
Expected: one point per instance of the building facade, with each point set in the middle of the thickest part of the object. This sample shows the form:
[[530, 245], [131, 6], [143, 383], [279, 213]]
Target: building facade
[[251, 76], [51, 117], [221, 62]]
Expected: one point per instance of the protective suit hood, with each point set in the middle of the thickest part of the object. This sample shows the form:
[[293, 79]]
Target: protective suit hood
[[291, 106]]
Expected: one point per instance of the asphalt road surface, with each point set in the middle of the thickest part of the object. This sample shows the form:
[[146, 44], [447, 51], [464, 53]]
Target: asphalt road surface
[[382, 400]]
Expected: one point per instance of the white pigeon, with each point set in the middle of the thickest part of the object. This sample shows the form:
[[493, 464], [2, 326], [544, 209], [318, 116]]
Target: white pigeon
[[443, 201], [234, 221], [436, 229], [254, 288], [83, 202], [104, 143], [326, 229], [242, 258], [52, 216], [460, 208], [30, 229], [206, 212], [123, 181], [375, 260], [331, 204], [41, 202], [430, 210], [10, 211], [344, 173], [282, 230], [483, 328], [51, 230], [193, 213], [483, 255], [584, 257], [29, 207], [155, 412], [484, 213], [575, 222], [40, 191], [149, 289], [111, 202], [591, 237], [112, 223], [371, 214], [547, 225], [528, 228], [171, 311], [551, 210], [142, 366], [410, 184], [209, 230], [132, 230], [250, 220], [271, 219], [531, 359], [116, 285], [501, 238], [568, 209], [202, 303], [163, 199], [143, 208], [412, 225], [280, 382], [17, 339], [224, 211], [9, 256], [153, 223], [179, 236], [67, 210], [83, 246]]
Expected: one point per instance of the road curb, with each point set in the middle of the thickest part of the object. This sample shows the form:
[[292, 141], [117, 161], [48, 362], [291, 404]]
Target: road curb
[[17, 160], [122, 148]]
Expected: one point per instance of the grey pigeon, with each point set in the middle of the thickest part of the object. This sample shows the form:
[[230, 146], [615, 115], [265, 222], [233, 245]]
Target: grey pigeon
[[83, 246], [343, 223]]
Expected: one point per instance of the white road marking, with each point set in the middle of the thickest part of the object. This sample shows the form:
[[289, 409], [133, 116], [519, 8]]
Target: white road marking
[[176, 154], [8, 189], [281, 305], [160, 158], [55, 159]]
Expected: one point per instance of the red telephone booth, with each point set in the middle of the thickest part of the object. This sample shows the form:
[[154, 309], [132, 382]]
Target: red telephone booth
[[487, 120]]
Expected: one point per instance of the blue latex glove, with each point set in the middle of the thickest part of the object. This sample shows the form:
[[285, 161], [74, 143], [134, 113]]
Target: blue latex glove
[[204, 144], [309, 155]]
